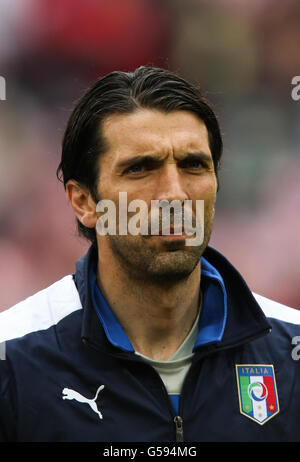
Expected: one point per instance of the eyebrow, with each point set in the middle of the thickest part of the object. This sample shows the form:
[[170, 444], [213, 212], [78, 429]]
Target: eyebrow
[[203, 156], [138, 159], [154, 159]]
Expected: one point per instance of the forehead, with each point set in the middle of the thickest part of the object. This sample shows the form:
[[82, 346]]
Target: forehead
[[148, 130]]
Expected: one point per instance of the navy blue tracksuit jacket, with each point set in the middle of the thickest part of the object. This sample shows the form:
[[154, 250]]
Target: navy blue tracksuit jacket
[[64, 377]]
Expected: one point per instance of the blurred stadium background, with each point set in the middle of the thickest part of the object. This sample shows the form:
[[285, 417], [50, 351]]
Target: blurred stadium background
[[244, 54]]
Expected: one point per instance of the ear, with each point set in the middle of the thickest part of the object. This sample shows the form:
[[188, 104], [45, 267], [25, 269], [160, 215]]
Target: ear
[[82, 203]]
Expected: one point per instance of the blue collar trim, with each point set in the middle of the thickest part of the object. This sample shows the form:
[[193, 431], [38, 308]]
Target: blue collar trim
[[212, 318], [213, 314], [113, 329]]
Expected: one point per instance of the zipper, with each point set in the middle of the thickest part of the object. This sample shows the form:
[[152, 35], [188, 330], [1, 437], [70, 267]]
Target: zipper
[[179, 429]]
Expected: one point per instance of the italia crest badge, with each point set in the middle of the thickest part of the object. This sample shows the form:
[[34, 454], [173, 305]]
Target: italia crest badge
[[257, 391]]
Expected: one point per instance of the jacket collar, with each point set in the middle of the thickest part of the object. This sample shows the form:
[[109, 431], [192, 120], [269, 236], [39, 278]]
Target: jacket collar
[[241, 321], [245, 318]]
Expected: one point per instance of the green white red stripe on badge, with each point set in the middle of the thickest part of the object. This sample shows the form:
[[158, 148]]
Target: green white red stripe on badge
[[257, 391]]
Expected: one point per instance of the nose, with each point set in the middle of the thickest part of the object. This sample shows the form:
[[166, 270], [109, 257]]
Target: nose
[[170, 184]]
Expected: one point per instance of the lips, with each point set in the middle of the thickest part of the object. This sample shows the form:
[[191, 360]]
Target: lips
[[170, 231]]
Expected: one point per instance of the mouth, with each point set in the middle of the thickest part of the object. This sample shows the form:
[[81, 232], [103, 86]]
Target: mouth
[[170, 234]]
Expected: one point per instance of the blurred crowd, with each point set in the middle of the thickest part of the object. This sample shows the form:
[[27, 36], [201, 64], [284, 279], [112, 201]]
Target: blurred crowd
[[243, 54]]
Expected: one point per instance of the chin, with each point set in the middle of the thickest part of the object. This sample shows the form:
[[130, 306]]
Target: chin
[[169, 263], [172, 268]]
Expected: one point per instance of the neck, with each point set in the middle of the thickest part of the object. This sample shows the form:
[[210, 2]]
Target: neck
[[156, 317]]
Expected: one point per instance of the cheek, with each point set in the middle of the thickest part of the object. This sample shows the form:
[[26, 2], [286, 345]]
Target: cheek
[[206, 192], [205, 189], [106, 190]]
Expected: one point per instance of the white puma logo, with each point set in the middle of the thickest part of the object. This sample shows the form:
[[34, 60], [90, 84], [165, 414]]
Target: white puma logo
[[72, 394]]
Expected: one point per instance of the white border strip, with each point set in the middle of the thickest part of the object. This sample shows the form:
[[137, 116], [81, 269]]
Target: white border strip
[[40, 311], [277, 310]]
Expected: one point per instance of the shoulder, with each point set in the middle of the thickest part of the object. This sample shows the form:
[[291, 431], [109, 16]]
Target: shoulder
[[40, 311], [278, 311]]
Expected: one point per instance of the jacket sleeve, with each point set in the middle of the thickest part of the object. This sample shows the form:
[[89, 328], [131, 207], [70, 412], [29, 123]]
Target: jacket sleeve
[[7, 401]]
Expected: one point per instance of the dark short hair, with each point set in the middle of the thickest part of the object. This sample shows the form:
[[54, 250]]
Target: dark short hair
[[121, 93]]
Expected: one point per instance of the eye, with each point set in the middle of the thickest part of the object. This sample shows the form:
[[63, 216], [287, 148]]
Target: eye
[[141, 167], [136, 168], [194, 164]]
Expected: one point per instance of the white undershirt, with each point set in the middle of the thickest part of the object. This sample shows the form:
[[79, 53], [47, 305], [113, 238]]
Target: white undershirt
[[174, 370]]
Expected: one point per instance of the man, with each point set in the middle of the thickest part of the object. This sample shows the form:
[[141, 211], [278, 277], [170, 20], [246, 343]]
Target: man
[[152, 338]]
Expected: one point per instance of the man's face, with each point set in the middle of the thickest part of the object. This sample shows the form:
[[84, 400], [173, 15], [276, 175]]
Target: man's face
[[157, 156]]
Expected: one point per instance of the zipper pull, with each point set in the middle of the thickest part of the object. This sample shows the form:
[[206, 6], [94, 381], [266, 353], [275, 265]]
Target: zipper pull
[[179, 429]]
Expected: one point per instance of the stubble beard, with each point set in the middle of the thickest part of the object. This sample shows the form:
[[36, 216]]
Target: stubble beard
[[173, 262]]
